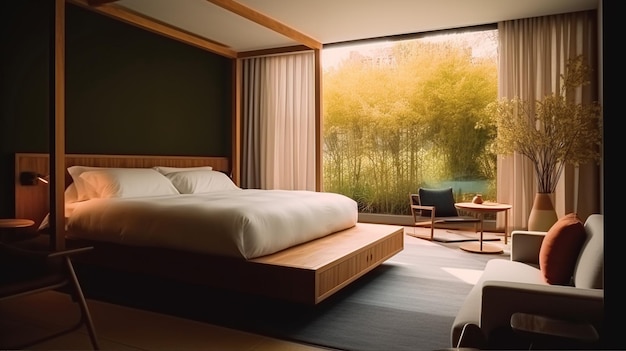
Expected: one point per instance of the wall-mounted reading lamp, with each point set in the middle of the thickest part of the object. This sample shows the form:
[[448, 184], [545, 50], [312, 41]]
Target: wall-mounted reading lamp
[[32, 178]]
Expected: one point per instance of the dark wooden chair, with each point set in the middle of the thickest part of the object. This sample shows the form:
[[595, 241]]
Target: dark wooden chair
[[25, 271], [430, 207]]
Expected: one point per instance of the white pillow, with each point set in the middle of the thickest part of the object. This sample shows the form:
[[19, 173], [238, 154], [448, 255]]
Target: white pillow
[[167, 170], [126, 182], [198, 182], [81, 190]]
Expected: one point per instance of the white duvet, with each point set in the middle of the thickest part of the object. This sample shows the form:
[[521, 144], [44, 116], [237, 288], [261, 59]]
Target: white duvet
[[244, 223]]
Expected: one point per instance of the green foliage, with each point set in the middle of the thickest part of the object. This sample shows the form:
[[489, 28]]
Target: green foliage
[[451, 101], [550, 132], [391, 128]]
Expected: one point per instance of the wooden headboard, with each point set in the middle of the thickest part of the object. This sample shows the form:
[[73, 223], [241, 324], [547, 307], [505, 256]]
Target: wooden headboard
[[32, 201]]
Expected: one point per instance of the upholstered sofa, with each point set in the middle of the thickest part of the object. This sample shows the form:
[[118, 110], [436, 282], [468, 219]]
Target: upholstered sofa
[[519, 286]]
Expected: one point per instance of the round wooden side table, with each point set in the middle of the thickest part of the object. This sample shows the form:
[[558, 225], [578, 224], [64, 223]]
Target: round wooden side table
[[8, 227], [481, 209]]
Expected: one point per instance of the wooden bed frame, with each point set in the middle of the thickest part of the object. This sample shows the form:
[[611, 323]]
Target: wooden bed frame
[[307, 273]]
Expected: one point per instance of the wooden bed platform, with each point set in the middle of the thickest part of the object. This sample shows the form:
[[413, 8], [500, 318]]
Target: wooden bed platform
[[307, 273]]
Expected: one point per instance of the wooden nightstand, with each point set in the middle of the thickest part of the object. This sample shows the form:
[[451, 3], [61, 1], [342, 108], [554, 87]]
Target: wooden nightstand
[[9, 229]]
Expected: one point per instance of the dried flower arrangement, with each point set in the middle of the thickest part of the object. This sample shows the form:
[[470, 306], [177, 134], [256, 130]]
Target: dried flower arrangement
[[551, 132]]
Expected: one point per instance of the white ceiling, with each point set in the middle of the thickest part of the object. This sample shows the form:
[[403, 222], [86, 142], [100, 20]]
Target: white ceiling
[[332, 21]]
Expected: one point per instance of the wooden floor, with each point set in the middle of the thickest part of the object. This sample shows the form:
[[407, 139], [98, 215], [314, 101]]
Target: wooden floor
[[121, 328]]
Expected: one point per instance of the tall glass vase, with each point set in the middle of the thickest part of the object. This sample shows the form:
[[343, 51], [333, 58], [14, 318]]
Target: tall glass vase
[[542, 215]]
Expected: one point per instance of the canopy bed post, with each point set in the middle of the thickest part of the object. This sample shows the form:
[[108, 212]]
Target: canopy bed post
[[236, 122], [57, 129], [319, 122]]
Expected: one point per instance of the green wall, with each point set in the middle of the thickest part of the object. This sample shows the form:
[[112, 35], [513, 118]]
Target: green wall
[[128, 91]]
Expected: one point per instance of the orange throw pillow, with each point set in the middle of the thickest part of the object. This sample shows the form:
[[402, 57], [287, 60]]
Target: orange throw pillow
[[560, 249]]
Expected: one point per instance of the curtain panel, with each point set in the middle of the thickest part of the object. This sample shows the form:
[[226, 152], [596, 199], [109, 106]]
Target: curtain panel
[[278, 121], [532, 56]]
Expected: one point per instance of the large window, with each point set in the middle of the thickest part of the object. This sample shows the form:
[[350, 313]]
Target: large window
[[404, 114]]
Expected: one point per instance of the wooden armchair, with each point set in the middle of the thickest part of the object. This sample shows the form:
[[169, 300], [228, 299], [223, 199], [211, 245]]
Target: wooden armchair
[[25, 271], [430, 207]]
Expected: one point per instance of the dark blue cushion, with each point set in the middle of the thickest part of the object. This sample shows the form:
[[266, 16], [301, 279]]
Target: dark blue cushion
[[442, 199]]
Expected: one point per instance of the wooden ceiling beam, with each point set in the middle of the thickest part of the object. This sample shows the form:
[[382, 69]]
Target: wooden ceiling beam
[[273, 51], [125, 15], [100, 2], [267, 22]]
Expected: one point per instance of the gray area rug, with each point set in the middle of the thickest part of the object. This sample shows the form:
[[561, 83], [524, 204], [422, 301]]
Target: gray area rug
[[408, 303]]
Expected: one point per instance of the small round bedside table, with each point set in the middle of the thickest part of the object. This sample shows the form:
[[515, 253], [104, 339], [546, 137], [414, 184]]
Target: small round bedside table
[[8, 226]]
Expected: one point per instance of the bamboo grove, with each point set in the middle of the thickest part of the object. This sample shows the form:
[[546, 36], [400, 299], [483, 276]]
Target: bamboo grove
[[406, 116]]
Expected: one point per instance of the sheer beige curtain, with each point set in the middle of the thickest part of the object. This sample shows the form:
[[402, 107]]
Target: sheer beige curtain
[[278, 121], [532, 55]]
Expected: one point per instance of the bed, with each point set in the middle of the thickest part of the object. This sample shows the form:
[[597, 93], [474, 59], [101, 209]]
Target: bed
[[159, 227]]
